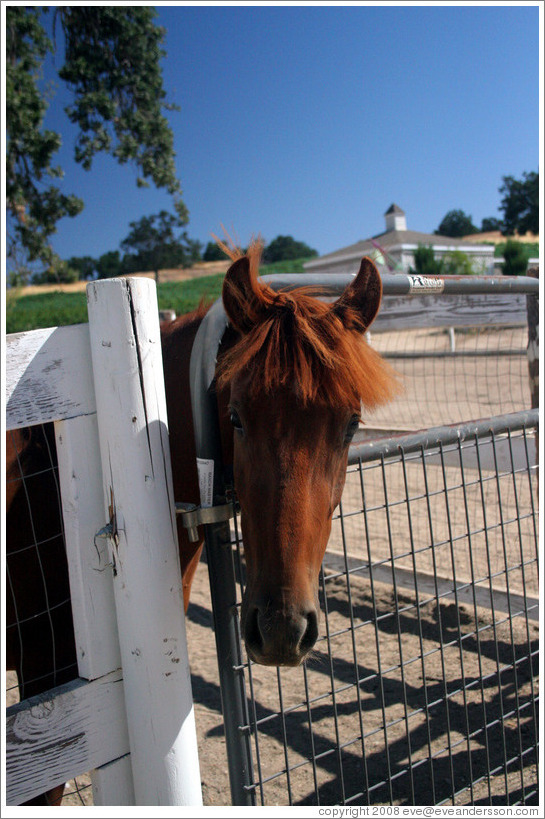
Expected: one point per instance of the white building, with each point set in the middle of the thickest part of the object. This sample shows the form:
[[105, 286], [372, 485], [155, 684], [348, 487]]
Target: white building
[[395, 249]]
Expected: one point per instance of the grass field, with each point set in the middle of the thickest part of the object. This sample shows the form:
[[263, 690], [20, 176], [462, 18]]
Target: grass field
[[54, 309]]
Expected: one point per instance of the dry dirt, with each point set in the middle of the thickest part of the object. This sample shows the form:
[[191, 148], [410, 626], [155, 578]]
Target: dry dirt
[[167, 275]]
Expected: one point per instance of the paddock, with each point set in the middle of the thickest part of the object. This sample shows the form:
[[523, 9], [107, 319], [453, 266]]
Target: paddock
[[423, 685]]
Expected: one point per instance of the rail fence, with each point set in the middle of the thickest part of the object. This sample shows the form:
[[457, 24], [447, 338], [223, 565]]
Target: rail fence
[[103, 490], [423, 686]]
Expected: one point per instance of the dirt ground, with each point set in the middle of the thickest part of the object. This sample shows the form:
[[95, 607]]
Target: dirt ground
[[167, 275], [407, 699]]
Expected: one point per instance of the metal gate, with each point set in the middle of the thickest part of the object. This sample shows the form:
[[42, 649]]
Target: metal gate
[[422, 688]]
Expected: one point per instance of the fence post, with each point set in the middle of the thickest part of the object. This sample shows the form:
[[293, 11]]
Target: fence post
[[143, 547], [221, 569], [533, 340], [532, 305]]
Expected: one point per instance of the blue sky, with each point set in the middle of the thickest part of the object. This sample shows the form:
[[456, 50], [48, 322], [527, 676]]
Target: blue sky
[[311, 120]]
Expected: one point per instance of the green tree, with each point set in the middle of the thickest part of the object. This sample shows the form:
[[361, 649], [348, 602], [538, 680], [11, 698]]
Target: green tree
[[490, 224], [456, 223], [425, 263], [286, 247], [34, 205], [153, 243], [58, 272], [112, 66], [85, 265], [213, 253], [515, 259], [520, 204], [109, 265]]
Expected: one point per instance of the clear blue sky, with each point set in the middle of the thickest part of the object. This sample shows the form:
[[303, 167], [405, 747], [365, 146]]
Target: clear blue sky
[[311, 121]]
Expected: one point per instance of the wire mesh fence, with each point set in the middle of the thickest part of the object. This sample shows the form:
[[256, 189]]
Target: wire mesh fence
[[40, 647], [422, 688], [39, 634], [452, 374]]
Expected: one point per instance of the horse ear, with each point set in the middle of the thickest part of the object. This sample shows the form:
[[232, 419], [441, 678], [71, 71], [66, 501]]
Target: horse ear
[[362, 296], [239, 295]]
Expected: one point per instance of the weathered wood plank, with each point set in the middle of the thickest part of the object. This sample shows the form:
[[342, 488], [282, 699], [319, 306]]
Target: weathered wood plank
[[112, 783], [65, 732], [48, 376], [440, 310], [139, 501], [90, 570]]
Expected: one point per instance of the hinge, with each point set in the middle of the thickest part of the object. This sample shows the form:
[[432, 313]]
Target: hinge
[[194, 516]]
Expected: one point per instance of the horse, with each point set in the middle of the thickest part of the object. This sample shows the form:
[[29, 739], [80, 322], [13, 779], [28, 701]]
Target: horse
[[292, 378]]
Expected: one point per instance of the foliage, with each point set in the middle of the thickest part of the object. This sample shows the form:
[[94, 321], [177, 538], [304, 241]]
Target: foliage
[[457, 263], [34, 206], [531, 249], [520, 204], [112, 56], [109, 265], [85, 265], [491, 224], [456, 223], [154, 244], [425, 263], [58, 272], [515, 259], [213, 253], [286, 247]]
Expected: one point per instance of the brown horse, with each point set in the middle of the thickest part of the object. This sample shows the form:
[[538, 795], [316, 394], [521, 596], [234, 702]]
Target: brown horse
[[291, 381]]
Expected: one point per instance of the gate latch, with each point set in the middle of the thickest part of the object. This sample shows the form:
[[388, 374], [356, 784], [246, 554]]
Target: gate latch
[[193, 516]]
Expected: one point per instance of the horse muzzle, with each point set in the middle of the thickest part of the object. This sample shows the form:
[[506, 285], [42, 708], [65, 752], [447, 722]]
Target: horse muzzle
[[275, 635]]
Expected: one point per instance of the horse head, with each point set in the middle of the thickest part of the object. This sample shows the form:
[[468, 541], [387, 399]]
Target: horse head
[[297, 377]]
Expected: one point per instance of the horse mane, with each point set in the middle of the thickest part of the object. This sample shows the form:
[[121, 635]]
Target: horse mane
[[296, 338]]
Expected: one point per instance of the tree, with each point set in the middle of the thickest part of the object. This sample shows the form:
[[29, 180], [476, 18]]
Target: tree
[[85, 265], [109, 265], [34, 206], [425, 263], [153, 243], [456, 223], [286, 247], [58, 272], [491, 224], [111, 65], [515, 259], [520, 204], [213, 253]]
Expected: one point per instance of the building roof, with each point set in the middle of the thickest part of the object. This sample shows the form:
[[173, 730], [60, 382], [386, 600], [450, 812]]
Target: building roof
[[393, 238]]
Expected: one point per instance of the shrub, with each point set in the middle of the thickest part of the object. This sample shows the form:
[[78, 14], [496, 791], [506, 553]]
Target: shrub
[[425, 263], [515, 259], [457, 263]]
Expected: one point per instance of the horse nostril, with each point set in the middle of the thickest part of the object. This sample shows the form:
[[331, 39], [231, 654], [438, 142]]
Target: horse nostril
[[311, 633], [253, 635]]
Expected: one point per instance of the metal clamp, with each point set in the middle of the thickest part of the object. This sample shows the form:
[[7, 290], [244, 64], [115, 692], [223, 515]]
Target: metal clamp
[[194, 516]]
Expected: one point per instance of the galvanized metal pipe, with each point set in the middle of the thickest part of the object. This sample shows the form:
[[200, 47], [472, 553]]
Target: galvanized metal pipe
[[434, 437]]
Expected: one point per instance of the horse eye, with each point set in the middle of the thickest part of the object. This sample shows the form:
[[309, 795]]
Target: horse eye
[[352, 429], [235, 420]]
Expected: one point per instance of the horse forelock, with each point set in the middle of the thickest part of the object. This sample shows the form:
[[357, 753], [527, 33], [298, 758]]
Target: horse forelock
[[299, 341]]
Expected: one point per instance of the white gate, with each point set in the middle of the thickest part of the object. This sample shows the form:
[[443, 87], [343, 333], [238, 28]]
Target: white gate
[[129, 717]]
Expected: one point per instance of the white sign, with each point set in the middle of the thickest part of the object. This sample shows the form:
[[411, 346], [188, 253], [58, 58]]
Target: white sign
[[417, 282], [205, 469]]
